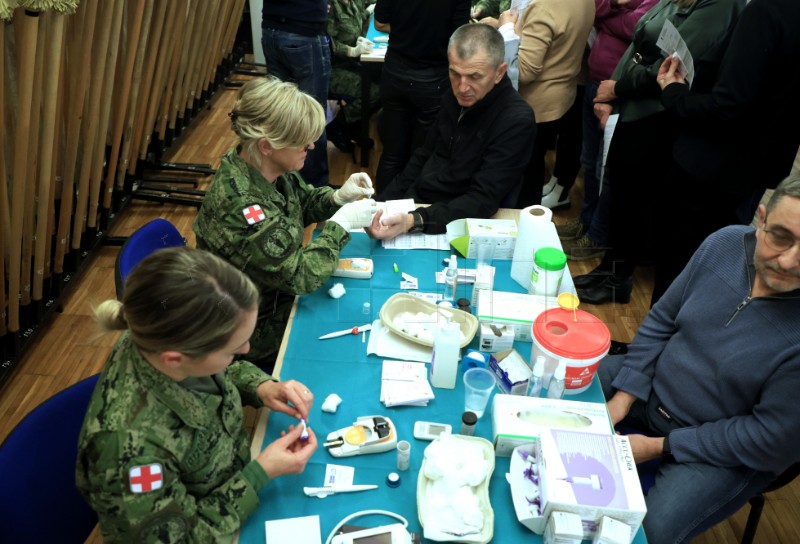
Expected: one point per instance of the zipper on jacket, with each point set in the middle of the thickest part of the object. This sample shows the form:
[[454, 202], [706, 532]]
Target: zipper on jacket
[[739, 308]]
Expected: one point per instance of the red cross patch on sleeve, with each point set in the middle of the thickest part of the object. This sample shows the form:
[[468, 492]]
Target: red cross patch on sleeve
[[253, 214], [145, 478]]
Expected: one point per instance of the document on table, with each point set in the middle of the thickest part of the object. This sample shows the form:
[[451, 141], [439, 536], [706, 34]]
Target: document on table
[[418, 241]]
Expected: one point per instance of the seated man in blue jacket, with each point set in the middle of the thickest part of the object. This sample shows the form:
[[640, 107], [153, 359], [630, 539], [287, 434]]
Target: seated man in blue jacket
[[713, 374], [477, 149]]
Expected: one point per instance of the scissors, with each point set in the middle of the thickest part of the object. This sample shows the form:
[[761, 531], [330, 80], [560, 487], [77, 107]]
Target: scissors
[[354, 330]]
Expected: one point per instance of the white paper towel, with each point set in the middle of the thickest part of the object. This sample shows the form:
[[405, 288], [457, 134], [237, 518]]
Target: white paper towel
[[536, 230]]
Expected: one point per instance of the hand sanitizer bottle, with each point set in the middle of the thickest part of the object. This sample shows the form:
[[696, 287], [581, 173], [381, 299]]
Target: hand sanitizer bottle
[[446, 347], [535, 387], [555, 390], [451, 279]]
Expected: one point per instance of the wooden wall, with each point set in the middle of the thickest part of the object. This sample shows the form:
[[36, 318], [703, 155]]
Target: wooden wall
[[89, 95]]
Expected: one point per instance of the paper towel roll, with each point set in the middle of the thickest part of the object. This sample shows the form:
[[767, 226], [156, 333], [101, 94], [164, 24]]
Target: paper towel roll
[[536, 229]]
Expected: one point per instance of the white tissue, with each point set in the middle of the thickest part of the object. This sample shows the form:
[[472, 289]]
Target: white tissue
[[331, 403], [337, 290]]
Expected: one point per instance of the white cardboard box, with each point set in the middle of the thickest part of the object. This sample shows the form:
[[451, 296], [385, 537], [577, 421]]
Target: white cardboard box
[[585, 474], [496, 338], [518, 420], [511, 372], [465, 234], [519, 310]]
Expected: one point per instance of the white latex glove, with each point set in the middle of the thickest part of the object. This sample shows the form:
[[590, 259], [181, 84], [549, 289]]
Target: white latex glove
[[355, 215], [371, 8], [363, 46], [357, 186]]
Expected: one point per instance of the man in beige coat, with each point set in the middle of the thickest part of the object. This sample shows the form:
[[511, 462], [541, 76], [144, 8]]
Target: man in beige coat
[[553, 36]]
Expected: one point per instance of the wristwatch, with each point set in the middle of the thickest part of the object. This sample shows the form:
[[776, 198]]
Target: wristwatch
[[418, 224], [666, 450]]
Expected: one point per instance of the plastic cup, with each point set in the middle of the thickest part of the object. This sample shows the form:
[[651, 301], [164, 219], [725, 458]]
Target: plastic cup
[[478, 386], [484, 254]]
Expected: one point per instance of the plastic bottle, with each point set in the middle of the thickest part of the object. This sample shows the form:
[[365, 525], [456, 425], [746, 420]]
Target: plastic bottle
[[555, 390], [446, 347], [451, 279], [535, 387], [548, 267]]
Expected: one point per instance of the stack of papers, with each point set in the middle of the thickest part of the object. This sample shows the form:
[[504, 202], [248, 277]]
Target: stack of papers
[[405, 384]]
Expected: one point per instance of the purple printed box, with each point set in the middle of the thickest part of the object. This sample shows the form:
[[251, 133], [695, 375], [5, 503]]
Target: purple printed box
[[591, 475]]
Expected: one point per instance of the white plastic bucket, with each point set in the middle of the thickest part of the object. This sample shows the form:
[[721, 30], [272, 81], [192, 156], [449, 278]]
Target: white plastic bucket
[[576, 337]]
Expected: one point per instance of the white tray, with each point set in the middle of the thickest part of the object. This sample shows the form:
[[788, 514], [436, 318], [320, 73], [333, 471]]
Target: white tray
[[482, 491]]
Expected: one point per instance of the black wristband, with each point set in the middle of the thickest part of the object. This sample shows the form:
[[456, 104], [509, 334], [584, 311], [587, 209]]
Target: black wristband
[[418, 224]]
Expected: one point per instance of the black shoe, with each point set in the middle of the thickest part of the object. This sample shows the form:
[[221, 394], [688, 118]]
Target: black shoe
[[618, 348], [337, 134], [613, 289], [591, 279]]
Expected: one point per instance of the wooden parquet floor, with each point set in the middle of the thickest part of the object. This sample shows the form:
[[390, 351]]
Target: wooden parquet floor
[[68, 349]]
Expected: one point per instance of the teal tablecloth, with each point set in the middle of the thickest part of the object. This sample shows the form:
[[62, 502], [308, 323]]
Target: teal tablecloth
[[341, 366]]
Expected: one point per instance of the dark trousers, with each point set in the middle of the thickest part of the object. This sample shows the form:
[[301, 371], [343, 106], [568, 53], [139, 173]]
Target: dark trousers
[[565, 136], [410, 107], [688, 210], [637, 158], [305, 60]]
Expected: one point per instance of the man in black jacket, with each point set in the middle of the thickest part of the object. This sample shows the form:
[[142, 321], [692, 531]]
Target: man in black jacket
[[474, 157]]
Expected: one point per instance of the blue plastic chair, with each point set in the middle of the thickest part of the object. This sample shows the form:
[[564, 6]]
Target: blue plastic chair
[[39, 501], [155, 235]]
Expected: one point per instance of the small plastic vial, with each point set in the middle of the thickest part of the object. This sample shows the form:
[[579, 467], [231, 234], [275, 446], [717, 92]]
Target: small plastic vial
[[468, 422], [366, 308], [555, 390], [535, 387], [451, 279], [393, 479]]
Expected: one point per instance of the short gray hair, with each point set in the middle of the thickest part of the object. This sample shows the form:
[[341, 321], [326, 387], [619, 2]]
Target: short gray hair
[[472, 38], [788, 187]]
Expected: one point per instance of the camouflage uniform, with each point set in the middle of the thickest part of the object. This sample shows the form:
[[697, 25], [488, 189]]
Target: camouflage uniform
[[346, 22], [492, 8], [269, 250], [139, 418]]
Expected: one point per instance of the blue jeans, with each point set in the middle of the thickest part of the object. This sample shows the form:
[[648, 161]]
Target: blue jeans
[[305, 60], [596, 205], [686, 498]]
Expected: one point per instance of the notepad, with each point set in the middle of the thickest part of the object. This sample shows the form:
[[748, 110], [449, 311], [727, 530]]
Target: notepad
[[405, 383]]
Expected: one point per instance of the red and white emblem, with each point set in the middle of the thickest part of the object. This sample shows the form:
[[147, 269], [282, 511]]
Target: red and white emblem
[[146, 478], [253, 214]]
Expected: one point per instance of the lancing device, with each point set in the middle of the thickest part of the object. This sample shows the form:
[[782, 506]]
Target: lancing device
[[304, 434]]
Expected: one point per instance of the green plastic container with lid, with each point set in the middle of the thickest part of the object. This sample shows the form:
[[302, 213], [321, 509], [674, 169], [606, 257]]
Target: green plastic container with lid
[[548, 267]]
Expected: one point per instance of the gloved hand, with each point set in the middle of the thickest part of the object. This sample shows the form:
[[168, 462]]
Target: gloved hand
[[363, 46], [371, 8], [355, 215], [356, 186]]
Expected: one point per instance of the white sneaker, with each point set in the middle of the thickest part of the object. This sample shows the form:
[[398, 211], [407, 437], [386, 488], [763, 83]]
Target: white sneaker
[[549, 186], [557, 198]]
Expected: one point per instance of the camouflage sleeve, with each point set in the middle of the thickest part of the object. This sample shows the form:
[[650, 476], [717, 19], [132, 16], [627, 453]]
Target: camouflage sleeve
[[161, 509], [334, 30], [318, 204], [490, 8], [247, 377]]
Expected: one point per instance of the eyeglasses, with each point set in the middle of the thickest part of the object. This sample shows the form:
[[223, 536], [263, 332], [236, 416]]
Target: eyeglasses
[[778, 240]]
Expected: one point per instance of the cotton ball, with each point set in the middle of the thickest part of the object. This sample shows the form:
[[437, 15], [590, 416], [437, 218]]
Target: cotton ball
[[426, 336], [465, 502]]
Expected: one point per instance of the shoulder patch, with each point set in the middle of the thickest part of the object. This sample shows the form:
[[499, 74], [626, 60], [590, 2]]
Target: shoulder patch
[[145, 478], [278, 243], [253, 214]]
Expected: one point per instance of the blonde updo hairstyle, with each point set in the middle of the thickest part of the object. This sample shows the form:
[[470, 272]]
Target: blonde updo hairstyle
[[181, 299], [278, 111]]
